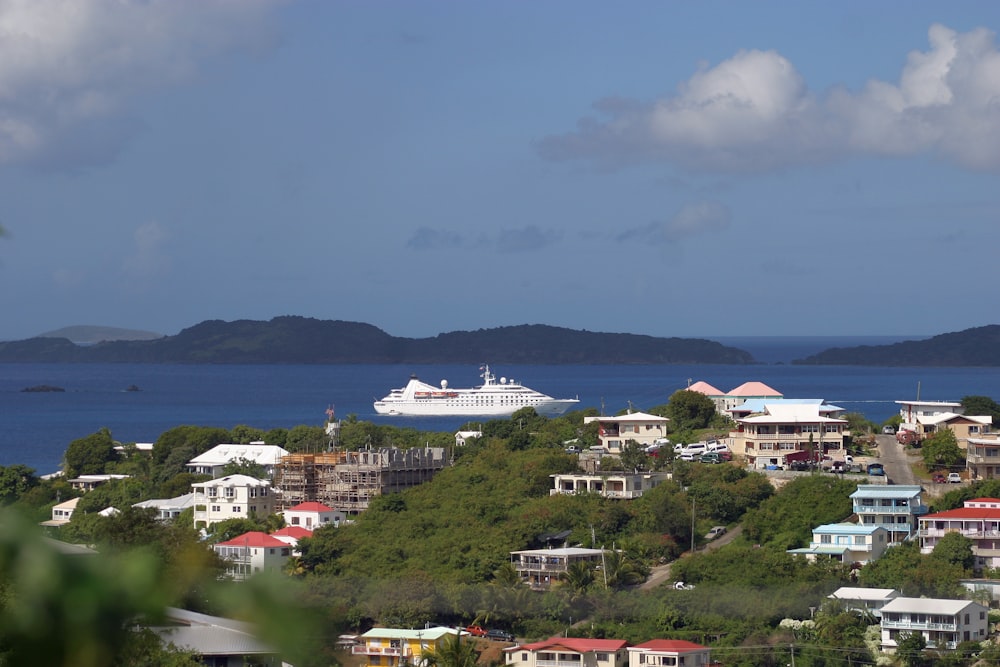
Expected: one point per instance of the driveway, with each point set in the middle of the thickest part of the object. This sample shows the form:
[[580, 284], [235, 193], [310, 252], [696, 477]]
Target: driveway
[[660, 574], [898, 464]]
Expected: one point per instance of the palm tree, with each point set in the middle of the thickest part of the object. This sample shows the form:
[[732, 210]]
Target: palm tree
[[451, 652], [622, 571], [578, 577]]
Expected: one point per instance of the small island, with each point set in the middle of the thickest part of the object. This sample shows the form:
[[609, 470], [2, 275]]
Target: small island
[[42, 387]]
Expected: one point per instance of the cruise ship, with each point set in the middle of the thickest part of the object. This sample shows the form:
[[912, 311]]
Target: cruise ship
[[493, 398]]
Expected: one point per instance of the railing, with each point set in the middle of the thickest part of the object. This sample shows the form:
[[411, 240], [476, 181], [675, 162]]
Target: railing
[[915, 625], [971, 534], [540, 567], [865, 509], [379, 650], [558, 663]]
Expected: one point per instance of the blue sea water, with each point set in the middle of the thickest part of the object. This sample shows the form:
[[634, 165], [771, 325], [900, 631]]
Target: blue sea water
[[35, 428]]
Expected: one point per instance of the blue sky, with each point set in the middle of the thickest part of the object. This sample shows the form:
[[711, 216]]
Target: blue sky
[[662, 168]]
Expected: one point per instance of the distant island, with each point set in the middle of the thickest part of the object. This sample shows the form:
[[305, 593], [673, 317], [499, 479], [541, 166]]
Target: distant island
[[301, 340], [979, 346], [42, 388]]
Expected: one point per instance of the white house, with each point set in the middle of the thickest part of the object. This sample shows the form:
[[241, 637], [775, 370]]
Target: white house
[[62, 513], [462, 436], [539, 568], [669, 653], [291, 535], [943, 623], [978, 519], [231, 497], [217, 458], [89, 482], [897, 508], [847, 542], [168, 508], [252, 552], [559, 651], [614, 432], [869, 600], [609, 485], [312, 515]]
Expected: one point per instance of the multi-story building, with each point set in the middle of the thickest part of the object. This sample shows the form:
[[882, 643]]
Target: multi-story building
[[609, 485], [868, 600], [943, 623], [897, 508], [168, 508], [613, 432], [669, 653], [978, 519], [251, 553], [923, 418], [349, 480], [393, 647], [214, 461], [786, 431], [847, 542], [312, 515], [231, 497], [540, 568], [982, 458], [566, 651]]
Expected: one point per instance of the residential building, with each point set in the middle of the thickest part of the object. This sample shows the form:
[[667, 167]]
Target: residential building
[[216, 641], [943, 623], [868, 600], [847, 542], [62, 513], [746, 392], [787, 431], [231, 497], [565, 651], [90, 482], [978, 519], [983, 458], [924, 418], [462, 436], [897, 508], [312, 515], [539, 568], [717, 396], [669, 653], [613, 432], [291, 535], [168, 508], [214, 461], [394, 647], [609, 485], [348, 480], [252, 552]]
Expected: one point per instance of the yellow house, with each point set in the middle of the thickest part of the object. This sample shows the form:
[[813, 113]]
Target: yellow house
[[392, 647]]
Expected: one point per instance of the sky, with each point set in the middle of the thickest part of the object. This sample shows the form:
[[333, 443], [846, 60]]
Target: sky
[[693, 169]]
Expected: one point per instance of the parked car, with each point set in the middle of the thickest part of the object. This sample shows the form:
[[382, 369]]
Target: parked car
[[476, 631], [696, 448], [499, 635], [939, 479], [715, 532], [954, 478], [711, 457], [889, 430], [572, 449], [876, 469]]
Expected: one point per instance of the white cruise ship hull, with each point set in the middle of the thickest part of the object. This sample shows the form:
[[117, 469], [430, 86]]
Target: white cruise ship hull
[[491, 399]]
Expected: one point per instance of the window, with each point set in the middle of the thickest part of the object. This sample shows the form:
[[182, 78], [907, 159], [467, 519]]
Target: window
[[216, 508], [237, 508], [212, 492], [810, 428], [230, 492], [295, 520], [825, 539], [602, 657]]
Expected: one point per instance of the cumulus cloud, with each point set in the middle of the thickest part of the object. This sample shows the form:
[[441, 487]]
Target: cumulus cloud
[[70, 68], [755, 111], [692, 220]]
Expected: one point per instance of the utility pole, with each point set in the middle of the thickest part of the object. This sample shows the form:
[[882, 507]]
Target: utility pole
[[692, 525]]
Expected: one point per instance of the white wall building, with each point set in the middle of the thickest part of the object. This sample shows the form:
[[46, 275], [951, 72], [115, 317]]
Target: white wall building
[[231, 497], [217, 458], [943, 623]]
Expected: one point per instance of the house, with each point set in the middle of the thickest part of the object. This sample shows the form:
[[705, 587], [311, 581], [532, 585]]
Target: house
[[462, 436], [62, 513], [168, 508], [847, 542], [669, 653], [717, 396], [897, 508], [609, 485], [252, 552], [746, 392], [923, 418], [312, 515], [291, 535], [869, 600], [216, 641], [231, 497], [978, 519], [89, 482], [539, 568], [943, 623], [983, 457], [788, 431], [393, 647], [214, 461], [564, 651], [643, 428]]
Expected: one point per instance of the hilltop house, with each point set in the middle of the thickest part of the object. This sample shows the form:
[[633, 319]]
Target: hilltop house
[[897, 508], [539, 568], [669, 653], [608, 485], [312, 515], [643, 428], [786, 431], [983, 457], [231, 497], [868, 600], [923, 418], [560, 651], [62, 513], [214, 461], [978, 519], [393, 647], [252, 552], [168, 508], [943, 623], [847, 542]]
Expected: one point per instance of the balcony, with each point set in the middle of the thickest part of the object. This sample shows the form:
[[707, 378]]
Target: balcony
[[381, 650], [972, 534], [558, 663], [917, 625], [896, 509]]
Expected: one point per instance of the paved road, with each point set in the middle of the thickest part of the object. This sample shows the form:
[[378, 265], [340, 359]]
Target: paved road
[[896, 461], [661, 573]]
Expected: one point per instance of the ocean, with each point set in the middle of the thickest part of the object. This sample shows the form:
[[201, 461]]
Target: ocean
[[35, 428]]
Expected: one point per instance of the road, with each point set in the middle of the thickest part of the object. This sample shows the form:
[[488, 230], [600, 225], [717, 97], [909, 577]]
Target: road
[[660, 574], [896, 461]]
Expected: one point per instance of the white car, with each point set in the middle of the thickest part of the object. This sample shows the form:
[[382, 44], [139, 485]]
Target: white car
[[695, 449]]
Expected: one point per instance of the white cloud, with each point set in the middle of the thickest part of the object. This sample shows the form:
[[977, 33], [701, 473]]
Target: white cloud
[[68, 65], [147, 258], [692, 220], [755, 111]]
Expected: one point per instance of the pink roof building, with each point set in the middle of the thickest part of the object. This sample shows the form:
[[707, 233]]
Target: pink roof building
[[703, 387]]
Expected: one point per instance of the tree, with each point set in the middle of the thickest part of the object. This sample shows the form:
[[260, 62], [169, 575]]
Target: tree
[[955, 549], [633, 457], [910, 649], [15, 481], [89, 455], [689, 410], [982, 405], [245, 466], [452, 652], [942, 450]]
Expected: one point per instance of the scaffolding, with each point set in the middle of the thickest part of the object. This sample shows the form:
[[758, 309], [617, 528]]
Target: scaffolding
[[348, 480]]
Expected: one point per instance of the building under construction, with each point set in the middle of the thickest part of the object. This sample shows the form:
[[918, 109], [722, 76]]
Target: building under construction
[[347, 481]]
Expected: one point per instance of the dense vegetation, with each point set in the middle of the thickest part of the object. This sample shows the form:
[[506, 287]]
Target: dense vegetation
[[300, 340], [979, 346]]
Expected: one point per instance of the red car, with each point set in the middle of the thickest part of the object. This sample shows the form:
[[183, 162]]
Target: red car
[[476, 631], [939, 479]]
